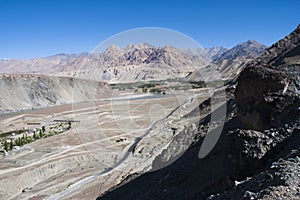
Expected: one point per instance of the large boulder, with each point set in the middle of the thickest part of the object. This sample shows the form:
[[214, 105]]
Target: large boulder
[[267, 94]]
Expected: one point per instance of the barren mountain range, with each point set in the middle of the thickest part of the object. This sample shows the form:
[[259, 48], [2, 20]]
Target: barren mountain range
[[133, 63], [49, 80]]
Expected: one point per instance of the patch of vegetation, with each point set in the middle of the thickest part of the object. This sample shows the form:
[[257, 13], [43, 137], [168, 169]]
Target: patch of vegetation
[[155, 90], [198, 84], [8, 142], [172, 83], [122, 86], [148, 85]]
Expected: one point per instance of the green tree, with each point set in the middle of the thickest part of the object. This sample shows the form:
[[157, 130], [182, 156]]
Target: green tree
[[11, 146], [29, 139], [23, 140], [43, 129], [6, 145], [17, 142], [41, 134], [34, 136]]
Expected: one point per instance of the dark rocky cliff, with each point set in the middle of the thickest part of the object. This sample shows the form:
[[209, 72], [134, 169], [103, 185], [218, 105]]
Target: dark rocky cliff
[[268, 91]]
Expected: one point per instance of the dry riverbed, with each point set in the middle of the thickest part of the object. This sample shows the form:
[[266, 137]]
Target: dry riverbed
[[109, 139]]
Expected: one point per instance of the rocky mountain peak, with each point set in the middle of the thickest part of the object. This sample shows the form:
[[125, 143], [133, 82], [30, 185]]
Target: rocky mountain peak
[[169, 48], [138, 46], [252, 42], [113, 49], [245, 50]]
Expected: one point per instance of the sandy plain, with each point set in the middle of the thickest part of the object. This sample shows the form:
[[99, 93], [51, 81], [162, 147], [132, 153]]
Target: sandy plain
[[110, 139]]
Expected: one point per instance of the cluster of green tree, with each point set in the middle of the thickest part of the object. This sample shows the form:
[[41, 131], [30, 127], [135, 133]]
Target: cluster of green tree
[[181, 84], [155, 90], [148, 85], [197, 84], [25, 139], [133, 85], [123, 86], [37, 134]]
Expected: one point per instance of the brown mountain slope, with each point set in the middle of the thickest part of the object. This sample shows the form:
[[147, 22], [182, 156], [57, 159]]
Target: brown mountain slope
[[21, 92]]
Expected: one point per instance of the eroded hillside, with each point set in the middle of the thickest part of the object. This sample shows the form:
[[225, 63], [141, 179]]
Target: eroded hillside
[[21, 92]]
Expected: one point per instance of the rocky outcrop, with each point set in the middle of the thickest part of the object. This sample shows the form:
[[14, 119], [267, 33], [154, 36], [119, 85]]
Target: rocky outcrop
[[278, 181], [267, 152], [268, 91]]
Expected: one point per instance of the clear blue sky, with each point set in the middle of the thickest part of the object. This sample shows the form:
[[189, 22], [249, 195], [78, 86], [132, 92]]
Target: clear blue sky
[[46, 27]]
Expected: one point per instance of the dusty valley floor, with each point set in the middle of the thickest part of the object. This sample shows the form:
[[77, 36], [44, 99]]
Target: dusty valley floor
[[109, 139]]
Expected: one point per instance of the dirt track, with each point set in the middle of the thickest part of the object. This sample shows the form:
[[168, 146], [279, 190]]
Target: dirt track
[[52, 165]]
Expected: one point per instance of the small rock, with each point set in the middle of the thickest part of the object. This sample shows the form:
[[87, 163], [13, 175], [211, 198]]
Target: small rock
[[289, 130], [268, 176], [26, 189], [249, 195]]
